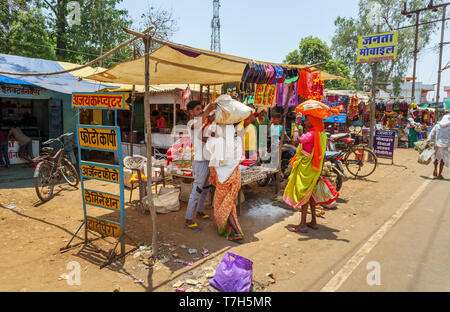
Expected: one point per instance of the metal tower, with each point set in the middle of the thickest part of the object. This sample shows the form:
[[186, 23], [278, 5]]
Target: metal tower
[[215, 25]]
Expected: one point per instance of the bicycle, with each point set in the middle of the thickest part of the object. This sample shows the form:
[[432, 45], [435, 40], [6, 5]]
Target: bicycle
[[359, 160], [50, 169]]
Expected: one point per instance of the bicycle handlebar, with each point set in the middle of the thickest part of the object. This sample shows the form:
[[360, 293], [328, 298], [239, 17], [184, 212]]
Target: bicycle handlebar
[[58, 139]]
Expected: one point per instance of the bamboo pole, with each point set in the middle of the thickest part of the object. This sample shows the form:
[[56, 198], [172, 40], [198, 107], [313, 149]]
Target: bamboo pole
[[286, 109], [147, 42]]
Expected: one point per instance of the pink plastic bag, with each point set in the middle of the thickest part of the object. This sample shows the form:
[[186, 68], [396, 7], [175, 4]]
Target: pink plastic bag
[[234, 274]]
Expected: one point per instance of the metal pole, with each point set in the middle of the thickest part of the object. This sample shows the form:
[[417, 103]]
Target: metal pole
[[372, 100], [415, 58], [147, 42], [438, 92]]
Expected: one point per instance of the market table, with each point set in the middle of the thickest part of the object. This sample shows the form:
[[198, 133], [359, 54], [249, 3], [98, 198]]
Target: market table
[[247, 177]]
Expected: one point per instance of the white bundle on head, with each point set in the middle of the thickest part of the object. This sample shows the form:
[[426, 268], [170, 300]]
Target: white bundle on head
[[230, 111]]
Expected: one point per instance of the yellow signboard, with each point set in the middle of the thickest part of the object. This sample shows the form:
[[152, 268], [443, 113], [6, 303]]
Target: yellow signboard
[[94, 137], [102, 173], [100, 100], [103, 227], [377, 47], [101, 199]]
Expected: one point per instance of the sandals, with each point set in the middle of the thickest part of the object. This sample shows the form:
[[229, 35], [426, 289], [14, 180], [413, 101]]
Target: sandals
[[204, 217], [193, 226], [232, 238], [297, 229]]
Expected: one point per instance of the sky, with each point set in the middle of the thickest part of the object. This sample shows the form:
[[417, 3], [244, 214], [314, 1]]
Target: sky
[[268, 30]]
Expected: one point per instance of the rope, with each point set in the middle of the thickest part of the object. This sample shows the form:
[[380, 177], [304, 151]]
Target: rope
[[80, 67]]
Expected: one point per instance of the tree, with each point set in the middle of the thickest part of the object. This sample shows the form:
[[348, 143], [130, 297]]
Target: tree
[[312, 51], [163, 22], [23, 30], [345, 40], [100, 30]]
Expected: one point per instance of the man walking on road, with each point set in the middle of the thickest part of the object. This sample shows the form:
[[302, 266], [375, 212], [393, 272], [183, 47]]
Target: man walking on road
[[440, 135]]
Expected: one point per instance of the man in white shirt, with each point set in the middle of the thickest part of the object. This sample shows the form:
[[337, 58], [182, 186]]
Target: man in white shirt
[[200, 166], [440, 135]]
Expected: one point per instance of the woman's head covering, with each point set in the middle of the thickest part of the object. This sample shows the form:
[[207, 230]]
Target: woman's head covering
[[316, 111], [445, 121]]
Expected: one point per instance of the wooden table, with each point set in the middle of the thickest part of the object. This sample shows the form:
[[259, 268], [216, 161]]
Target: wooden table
[[245, 180]]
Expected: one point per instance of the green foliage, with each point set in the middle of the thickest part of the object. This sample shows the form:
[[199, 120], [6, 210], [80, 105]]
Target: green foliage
[[39, 28], [338, 68], [23, 31], [312, 51], [345, 40]]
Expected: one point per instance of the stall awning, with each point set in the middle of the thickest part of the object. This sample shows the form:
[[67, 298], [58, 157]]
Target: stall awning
[[62, 83], [177, 64], [8, 80]]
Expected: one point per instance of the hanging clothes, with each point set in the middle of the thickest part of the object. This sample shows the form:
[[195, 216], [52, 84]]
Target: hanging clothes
[[185, 97], [305, 83], [282, 93]]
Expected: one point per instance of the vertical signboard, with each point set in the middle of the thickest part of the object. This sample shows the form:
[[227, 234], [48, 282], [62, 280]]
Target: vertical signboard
[[384, 144]]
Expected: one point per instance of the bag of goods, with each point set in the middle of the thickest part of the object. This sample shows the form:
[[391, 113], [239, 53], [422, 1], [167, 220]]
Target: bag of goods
[[168, 200], [420, 145], [425, 156], [325, 192], [317, 109], [230, 111], [234, 274]]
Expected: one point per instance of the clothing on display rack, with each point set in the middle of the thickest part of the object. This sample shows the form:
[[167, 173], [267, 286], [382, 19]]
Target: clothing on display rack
[[282, 94], [185, 97]]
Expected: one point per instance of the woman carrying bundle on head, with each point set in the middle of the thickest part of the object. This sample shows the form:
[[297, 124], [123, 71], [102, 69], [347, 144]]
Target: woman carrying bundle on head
[[308, 162]]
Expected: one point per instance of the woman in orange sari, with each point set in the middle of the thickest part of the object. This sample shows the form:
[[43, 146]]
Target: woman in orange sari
[[224, 207]]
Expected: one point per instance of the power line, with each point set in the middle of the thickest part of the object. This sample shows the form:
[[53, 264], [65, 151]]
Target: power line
[[46, 46]]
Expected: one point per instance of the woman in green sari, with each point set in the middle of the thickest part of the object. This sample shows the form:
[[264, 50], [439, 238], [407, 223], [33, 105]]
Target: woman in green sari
[[307, 164]]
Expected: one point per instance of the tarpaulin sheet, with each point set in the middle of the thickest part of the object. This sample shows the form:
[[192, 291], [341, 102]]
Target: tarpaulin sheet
[[171, 64], [4, 79], [62, 83]]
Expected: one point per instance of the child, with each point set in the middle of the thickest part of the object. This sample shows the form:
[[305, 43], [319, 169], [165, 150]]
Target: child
[[275, 131], [200, 166]]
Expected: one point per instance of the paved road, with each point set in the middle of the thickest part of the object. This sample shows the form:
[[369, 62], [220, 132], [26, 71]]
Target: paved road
[[413, 255]]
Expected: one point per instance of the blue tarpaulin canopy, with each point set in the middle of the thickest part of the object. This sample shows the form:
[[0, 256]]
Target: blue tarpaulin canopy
[[62, 83]]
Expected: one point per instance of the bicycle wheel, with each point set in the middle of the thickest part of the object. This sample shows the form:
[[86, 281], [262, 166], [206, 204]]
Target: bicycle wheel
[[361, 162], [69, 173], [339, 180], [43, 182]]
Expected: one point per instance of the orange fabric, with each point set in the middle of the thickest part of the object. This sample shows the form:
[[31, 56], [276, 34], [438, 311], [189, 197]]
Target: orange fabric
[[305, 83], [317, 126], [224, 197], [316, 109]]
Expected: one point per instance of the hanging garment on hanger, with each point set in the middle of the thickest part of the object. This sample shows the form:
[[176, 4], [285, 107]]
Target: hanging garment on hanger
[[282, 91]]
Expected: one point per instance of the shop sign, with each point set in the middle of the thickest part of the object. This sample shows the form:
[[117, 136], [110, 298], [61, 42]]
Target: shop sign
[[103, 227], [114, 101], [21, 90], [377, 47], [99, 138], [100, 172], [100, 199], [384, 143]]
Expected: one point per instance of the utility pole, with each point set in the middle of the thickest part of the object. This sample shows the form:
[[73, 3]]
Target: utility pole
[[433, 8], [438, 92]]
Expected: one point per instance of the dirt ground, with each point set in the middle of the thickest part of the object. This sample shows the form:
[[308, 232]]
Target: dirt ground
[[31, 236]]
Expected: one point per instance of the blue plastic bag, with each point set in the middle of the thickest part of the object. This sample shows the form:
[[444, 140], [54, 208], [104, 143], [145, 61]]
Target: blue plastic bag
[[234, 274]]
